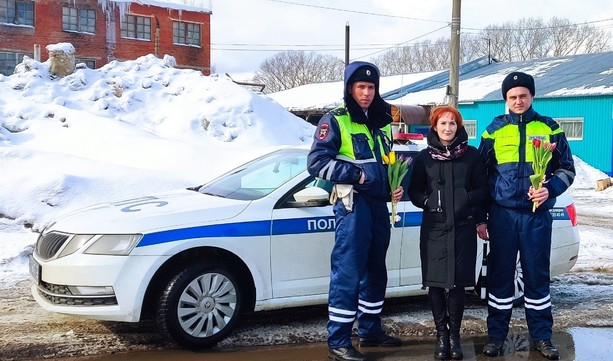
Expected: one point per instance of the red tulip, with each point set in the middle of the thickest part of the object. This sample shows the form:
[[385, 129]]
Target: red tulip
[[541, 156]]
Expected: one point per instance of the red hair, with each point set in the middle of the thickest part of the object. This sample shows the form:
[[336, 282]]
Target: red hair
[[438, 112]]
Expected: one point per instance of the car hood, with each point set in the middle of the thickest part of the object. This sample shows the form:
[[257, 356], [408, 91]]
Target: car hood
[[182, 208]]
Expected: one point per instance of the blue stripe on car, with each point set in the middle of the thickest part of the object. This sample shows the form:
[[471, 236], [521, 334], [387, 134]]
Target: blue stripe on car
[[258, 228], [278, 227]]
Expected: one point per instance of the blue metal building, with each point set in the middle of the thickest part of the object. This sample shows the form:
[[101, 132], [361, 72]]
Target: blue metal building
[[575, 90]]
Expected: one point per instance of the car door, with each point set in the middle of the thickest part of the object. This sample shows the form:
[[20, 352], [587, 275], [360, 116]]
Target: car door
[[302, 237], [301, 243]]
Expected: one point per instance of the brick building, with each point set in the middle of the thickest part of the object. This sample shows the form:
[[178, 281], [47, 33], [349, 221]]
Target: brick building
[[105, 30]]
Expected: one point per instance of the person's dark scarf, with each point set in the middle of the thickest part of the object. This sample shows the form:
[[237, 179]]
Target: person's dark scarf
[[456, 149]]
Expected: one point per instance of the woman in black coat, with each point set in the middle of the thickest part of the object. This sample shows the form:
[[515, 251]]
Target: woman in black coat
[[449, 183]]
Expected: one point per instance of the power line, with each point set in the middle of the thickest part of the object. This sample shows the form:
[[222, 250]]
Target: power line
[[430, 20], [401, 44], [544, 27], [357, 12], [380, 47]]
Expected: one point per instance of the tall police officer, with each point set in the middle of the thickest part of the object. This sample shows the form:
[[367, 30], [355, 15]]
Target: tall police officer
[[506, 146], [346, 150]]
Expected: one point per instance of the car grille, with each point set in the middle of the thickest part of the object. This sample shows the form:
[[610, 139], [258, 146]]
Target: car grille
[[49, 244], [61, 295]]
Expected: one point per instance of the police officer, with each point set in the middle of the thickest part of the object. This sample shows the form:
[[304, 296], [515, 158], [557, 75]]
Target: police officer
[[512, 226], [346, 150]]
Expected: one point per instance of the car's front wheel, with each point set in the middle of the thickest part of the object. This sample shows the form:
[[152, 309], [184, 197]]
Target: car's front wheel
[[199, 306]]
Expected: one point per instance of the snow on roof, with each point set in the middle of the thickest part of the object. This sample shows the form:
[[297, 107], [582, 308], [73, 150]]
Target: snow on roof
[[577, 75], [329, 95]]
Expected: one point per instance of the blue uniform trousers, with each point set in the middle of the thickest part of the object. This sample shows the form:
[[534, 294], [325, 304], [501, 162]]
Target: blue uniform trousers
[[513, 230], [358, 276]]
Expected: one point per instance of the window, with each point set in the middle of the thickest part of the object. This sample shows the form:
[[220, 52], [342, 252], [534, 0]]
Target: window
[[572, 127], [471, 128], [185, 33], [136, 27], [80, 20], [91, 64], [259, 177], [17, 12], [8, 61]]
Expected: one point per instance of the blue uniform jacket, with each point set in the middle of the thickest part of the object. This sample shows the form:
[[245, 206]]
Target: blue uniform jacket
[[509, 181]]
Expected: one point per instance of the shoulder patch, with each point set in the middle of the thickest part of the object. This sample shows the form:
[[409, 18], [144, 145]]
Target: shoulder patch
[[323, 130]]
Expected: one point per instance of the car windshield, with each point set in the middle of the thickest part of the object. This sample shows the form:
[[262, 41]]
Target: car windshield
[[259, 177]]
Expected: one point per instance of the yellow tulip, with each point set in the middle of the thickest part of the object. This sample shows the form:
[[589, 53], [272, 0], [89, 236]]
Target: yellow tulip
[[386, 160], [392, 157]]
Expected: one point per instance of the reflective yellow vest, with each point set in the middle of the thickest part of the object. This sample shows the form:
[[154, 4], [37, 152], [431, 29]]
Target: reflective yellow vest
[[349, 128]]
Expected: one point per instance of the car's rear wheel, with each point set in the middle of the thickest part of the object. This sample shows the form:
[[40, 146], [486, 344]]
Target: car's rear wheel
[[519, 285], [518, 300], [199, 306]]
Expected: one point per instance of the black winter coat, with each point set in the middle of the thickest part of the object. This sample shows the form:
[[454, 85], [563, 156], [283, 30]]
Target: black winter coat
[[452, 194]]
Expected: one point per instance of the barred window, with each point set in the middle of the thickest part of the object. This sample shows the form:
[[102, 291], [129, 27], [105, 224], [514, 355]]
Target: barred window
[[471, 128], [136, 27], [17, 12], [572, 127], [186, 33], [79, 20]]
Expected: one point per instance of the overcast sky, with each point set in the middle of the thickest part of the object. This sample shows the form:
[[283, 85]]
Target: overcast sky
[[246, 32]]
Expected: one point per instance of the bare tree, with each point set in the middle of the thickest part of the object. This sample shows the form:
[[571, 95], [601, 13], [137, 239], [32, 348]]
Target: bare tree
[[570, 39], [562, 36], [532, 39], [290, 69], [500, 40], [524, 39], [420, 57], [472, 47]]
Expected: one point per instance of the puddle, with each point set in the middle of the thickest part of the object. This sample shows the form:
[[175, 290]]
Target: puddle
[[574, 344]]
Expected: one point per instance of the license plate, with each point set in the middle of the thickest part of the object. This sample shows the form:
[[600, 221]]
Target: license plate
[[34, 269]]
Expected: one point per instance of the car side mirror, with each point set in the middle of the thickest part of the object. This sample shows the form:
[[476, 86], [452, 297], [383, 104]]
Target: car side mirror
[[311, 197]]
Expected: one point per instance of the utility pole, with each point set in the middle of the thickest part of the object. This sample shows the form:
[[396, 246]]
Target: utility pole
[[454, 69], [346, 44]]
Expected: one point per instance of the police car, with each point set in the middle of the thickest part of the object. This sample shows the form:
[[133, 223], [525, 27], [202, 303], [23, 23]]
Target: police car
[[257, 238]]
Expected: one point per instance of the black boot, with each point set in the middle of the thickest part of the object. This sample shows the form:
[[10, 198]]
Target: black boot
[[456, 312], [438, 304]]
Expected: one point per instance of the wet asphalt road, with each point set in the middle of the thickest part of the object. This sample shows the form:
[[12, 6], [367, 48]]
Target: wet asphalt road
[[575, 344]]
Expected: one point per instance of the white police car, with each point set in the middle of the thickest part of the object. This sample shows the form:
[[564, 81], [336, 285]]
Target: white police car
[[256, 238]]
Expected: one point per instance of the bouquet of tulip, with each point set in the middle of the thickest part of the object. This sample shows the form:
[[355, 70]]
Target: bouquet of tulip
[[397, 168], [542, 153]]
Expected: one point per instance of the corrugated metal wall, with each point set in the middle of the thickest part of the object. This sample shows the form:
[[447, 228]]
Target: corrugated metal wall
[[596, 147]]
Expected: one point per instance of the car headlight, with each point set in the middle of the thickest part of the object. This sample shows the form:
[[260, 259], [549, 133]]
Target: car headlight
[[76, 242], [114, 244]]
